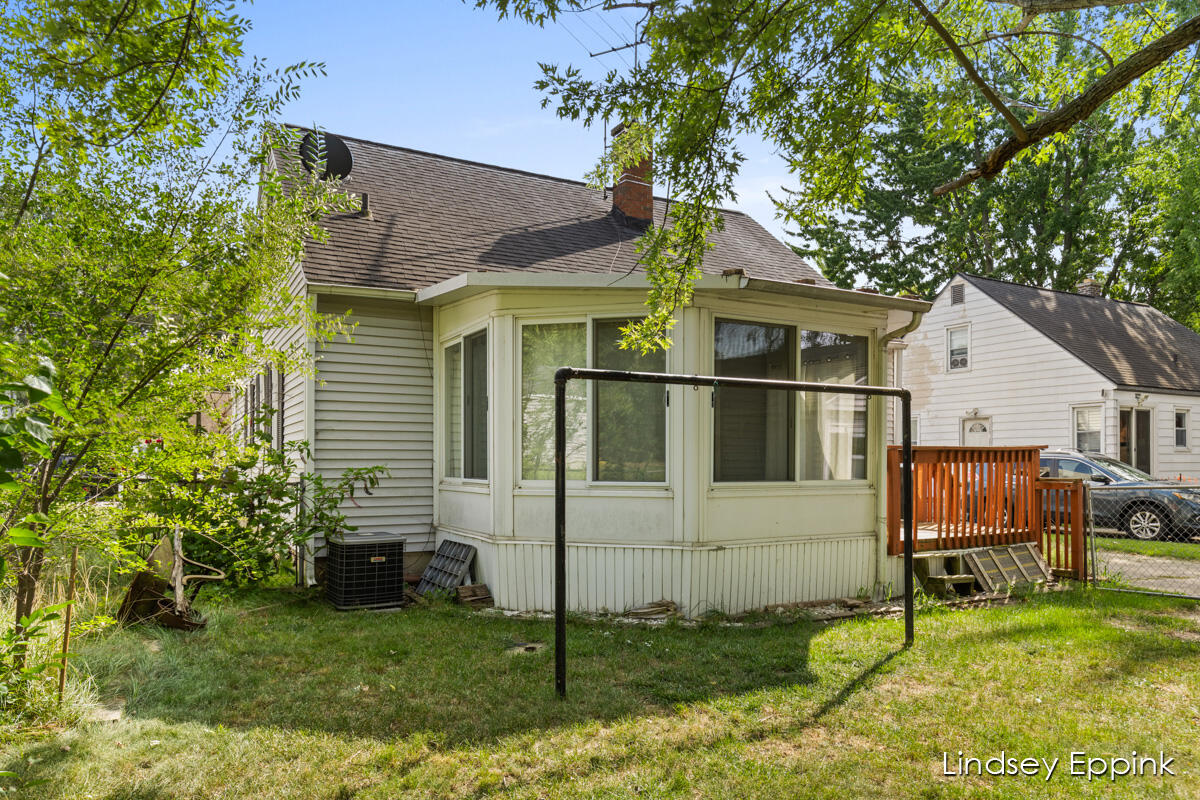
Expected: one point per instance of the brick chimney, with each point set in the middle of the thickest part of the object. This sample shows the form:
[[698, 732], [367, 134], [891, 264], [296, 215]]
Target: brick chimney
[[633, 196], [1089, 288]]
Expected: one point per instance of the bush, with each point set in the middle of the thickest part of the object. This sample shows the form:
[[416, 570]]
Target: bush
[[243, 508]]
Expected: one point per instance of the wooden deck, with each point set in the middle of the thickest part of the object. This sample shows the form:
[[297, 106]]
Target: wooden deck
[[967, 497]]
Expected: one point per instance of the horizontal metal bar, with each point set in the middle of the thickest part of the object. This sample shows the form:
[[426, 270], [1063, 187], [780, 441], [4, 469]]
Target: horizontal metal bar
[[717, 382]]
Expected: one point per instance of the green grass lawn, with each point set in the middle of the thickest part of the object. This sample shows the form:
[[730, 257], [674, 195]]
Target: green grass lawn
[[282, 697], [1189, 551]]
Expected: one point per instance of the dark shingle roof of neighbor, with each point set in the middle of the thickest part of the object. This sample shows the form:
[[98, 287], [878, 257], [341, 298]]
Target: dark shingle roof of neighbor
[[1131, 344], [434, 217]]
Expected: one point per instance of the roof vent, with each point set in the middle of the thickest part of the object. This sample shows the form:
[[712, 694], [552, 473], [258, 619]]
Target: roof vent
[[957, 294], [1089, 288]]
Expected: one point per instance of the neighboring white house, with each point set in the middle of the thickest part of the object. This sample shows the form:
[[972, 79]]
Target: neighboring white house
[[997, 363], [471, 283]]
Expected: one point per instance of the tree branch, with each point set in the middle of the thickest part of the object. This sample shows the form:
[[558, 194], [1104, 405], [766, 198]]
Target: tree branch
[[1014, 33], [1032, 8], [969, 68], [1082, 107]]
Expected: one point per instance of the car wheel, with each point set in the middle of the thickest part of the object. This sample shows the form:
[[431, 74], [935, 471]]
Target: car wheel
[[1145, 522]]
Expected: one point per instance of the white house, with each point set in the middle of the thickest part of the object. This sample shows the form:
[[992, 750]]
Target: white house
[[471, 283], [997, 363]]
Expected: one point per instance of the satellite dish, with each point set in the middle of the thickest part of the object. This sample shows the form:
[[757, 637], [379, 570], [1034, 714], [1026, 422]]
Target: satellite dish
[[328, 149]]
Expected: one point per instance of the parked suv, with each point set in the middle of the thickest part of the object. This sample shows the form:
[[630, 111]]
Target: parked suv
[[1126, 498]]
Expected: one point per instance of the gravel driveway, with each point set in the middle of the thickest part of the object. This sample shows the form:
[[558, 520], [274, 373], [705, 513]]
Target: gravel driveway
[[1156, 573]]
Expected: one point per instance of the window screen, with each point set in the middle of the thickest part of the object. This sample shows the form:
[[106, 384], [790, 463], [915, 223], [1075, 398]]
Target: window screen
[[754, 429], [631, 423]]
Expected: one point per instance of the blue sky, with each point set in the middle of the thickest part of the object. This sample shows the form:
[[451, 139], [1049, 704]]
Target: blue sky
[[440, 76]]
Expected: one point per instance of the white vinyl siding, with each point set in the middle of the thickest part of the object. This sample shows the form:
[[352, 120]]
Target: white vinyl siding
[[1018, 377], [374, 406]]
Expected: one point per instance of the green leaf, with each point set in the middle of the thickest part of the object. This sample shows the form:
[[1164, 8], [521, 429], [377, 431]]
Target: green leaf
[[10, 458], [8, 482], [39, 387], [54, 403], [39, 428], [20, 536]]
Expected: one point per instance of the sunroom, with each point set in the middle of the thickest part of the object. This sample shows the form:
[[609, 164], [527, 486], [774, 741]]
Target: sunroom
[[727, 499]]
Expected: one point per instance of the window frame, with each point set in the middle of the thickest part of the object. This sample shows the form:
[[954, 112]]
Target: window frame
[[950, 329], [1074, 431], [460, 339], [589, 480], [1186, 429], [740, 314]]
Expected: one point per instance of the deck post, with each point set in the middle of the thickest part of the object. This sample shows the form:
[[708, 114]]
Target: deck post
[[560, 531], [906, 503]]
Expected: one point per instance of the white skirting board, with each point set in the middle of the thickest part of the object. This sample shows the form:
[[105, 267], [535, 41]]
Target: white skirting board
[[699, 579]]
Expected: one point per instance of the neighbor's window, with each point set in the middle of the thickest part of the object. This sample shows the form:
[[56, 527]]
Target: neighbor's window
[[833, 426], [1087, 429], [466, 407], [630, 434], [545, 348], [1181, 428], [957, 345], [753, 429]]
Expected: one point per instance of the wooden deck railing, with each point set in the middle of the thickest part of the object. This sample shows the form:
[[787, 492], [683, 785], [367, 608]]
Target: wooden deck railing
[[1063, 525], [967, 497]]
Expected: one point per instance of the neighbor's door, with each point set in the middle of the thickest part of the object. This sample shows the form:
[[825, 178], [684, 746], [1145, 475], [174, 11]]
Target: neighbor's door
[[1135, 437], [977, 432]]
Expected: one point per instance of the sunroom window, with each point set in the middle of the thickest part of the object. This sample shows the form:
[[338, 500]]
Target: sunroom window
[[626, 438], [545, 348], [466, 407], [755, 435], [631, 424], [753, 431], [834, 426]]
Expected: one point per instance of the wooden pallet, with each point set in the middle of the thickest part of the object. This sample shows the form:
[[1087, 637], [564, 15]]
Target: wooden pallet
[[1007, 566]]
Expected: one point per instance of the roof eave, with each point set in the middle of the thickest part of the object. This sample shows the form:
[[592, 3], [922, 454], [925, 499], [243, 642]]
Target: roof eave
[[471, 283]]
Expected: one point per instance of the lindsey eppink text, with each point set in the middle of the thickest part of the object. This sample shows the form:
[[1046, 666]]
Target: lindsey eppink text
[[1077, 764]]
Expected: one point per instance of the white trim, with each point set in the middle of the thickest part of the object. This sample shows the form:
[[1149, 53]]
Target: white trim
[[1075, 408], [440, 423], [475, 282], [1186, 447], [958, 326], [588, 319], [349, 290]]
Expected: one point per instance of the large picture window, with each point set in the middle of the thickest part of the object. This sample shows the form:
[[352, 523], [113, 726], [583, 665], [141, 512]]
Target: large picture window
[[626, 438], [754, 428], [466, 408], [630, 419]]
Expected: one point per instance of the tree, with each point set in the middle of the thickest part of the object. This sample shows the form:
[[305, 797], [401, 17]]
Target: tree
[[1011, 79], [1090, 210], [144, 236]]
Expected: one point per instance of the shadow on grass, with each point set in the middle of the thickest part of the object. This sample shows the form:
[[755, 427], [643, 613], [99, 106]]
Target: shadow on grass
[[301, 665]]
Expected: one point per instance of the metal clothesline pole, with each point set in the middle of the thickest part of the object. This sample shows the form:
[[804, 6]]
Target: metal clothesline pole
[[564, 374]]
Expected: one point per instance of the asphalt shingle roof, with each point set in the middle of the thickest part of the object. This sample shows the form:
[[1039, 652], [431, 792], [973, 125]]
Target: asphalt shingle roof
[[1131, 344], [434, 217]]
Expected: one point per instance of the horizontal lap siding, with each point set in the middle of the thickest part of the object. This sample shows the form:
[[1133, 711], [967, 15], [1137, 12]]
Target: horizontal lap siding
[[374, 406], [1025, 382]]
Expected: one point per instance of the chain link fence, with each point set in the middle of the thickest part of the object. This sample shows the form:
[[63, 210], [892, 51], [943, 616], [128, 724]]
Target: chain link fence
[[1145, 539]]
